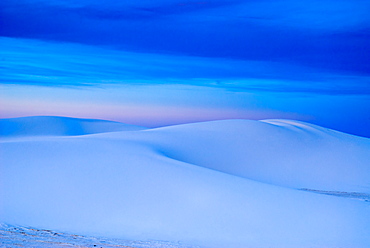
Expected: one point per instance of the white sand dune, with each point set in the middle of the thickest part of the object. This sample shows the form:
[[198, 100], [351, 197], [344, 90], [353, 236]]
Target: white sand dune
[[231, 183], [59, 126], [281, 152]]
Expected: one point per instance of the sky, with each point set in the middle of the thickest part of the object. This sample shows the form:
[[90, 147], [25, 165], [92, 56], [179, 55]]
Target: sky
[[164, 62]]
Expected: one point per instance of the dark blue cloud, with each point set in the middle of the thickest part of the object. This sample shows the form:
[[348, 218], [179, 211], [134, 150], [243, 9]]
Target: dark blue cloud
[[331, 35], [148, 12], [32, 62]]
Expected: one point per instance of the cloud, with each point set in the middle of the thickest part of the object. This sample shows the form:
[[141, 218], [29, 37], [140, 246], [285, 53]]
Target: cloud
[[329, 34], [316, 15], [32, 62]]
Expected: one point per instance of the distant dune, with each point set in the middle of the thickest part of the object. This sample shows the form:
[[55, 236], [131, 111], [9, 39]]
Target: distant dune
[[231, 183], [59, 126]]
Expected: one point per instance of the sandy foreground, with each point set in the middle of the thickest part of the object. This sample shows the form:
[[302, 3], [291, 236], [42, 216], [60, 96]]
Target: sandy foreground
[[17, 236]]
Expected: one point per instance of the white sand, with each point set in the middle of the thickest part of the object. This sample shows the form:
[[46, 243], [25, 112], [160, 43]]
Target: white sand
[[232, 183]]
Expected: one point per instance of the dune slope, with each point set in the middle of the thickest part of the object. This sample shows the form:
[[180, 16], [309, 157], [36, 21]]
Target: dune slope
[[215, 184], [280, 152]]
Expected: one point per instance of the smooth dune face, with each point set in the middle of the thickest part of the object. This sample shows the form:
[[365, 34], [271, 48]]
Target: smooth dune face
[[286, 153], [227, 183]]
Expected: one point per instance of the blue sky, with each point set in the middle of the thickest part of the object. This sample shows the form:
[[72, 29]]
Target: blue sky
[[164, 62]]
